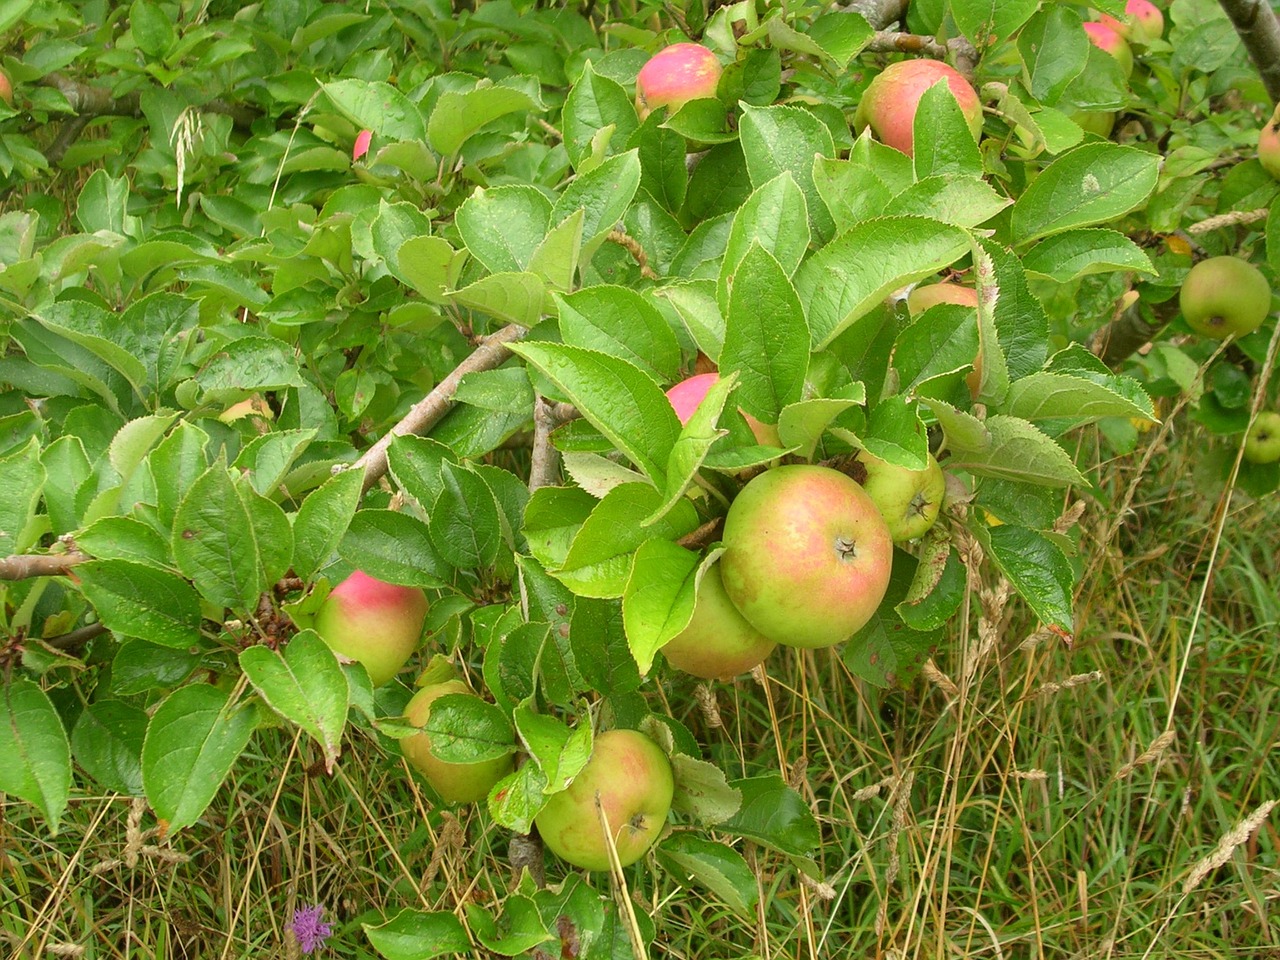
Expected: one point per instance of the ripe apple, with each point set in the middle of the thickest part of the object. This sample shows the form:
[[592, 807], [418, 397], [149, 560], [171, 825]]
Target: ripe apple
[[931, 294], [1225, 295], [1106, 39], [675, 75], [1143, 22], [687, 394], [377, 624], [718, 644], [632, 779], [807, 555], [455, 782], [889, 104], [909, 500], [1262, 442], [6, 88], [1269, 145]]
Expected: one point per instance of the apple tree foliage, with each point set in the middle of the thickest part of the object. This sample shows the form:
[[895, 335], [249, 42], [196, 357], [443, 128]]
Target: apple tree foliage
[[212, 315]]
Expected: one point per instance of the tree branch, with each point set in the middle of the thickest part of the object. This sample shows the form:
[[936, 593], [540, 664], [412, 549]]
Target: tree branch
[[544, 467], [427, 412], [878, 13], [76, 638], [1114, 342], [24, 566], [1259, 30]]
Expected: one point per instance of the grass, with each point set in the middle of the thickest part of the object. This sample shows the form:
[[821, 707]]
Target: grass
[[1025, 800]]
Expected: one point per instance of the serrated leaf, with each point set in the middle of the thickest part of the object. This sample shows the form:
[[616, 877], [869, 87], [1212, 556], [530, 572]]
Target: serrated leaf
[[395, 547], [107, 744], [418, 935], [464, 523], [22, 477], [465, 729], [322, 521], [889, 651], [304, 684], [702, 792], [963, 201], [37, 766], [457, 114], [1079, 253], [786, 138], [503, 226], [1076, 400], [775, 815], [1038, 570], [377, 106], [594, 104], [658, 600], [849, 277], [621, 322], [603, 194], [718, 867], [616, 397], [139, 600], [776, 218], [512, 297], [1010, 448], [194, 738]]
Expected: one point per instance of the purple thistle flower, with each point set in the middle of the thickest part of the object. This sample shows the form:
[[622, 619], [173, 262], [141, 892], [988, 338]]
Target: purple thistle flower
[[310, 930]]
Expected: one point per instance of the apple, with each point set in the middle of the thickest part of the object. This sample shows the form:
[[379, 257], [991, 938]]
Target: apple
[[687, 394], [1143, 22], [807, 555], [632, 779], [1269, 145], [675, 75], [454, 782], [1225, 295], [718, 644], [6, 88], [889, 104], [1098, 122], [1106, 39], [374, 623], [1262, 442], [931, 294], [909, 500]]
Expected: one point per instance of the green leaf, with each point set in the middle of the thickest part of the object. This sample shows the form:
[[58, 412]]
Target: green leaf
[[457, 115], [194, 738], [465, 729], [776, 218], [1079, 253], [786, 138], [557, 257], [322, 521], [516, 799], [942, 140], [596, 103], [107, 744], [664, 174], [377, 106], [1005, 447], [1021, 325], [766, 339], [1054, 51], [697, 437], [419, 935], [66, 467], [1038, 570], [695, 302], [247, 365], [849, 277], [888, 651], [716, 866], [416, 464], [985, 22], [963, 201], [1094, 183], [619, 321], [464, 524], [37, 765], [230, 542], [512, 297], [860, 187], [551, 519], [775, 815], [267, 460], [603, 194], [599, 643], [801, 424], [138, 600], [304, 684], [841, 35], [395, 547], [598, 562], [502, 226], [616, 397], [561, 752], [515, 933], [22, 476], [175, 464], [937, 589], [702, 793], [1076, 400], [429, 265], [657, 602]]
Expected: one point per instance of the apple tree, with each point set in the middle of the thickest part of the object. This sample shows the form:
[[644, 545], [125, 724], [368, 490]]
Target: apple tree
[[295, 290]]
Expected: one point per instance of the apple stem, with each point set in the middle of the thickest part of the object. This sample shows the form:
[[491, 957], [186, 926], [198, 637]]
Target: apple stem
[[846, 548]]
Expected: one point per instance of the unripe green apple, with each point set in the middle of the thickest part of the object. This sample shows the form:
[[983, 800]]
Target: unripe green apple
[[931, 294], [1269, 145], [631, 778], [687, 394], [374, 623], [454, 782], [718, 643], [1143, 22], [807, 555], [1262, 442], [1225, 295], [1106, 39], [909, 500], [889, 104], [675, 75]]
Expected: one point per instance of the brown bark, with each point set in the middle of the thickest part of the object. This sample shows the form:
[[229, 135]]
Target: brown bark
[[25, 566]]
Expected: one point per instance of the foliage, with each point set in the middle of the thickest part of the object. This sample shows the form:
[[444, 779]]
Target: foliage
[[233, 343]]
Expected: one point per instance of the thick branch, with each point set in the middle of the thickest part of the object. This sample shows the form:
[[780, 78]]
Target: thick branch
[[1117, 340], [544, 468], [76, 638], [427, 412], [1259, 30], [25, 566]]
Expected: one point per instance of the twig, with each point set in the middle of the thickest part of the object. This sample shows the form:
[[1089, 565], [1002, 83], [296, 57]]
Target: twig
[[878, 13], [1259, 30], [76, 638], [890, 41], [23, 566], [1114, 342], [632, 246], [544, 467], [426, 413]]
